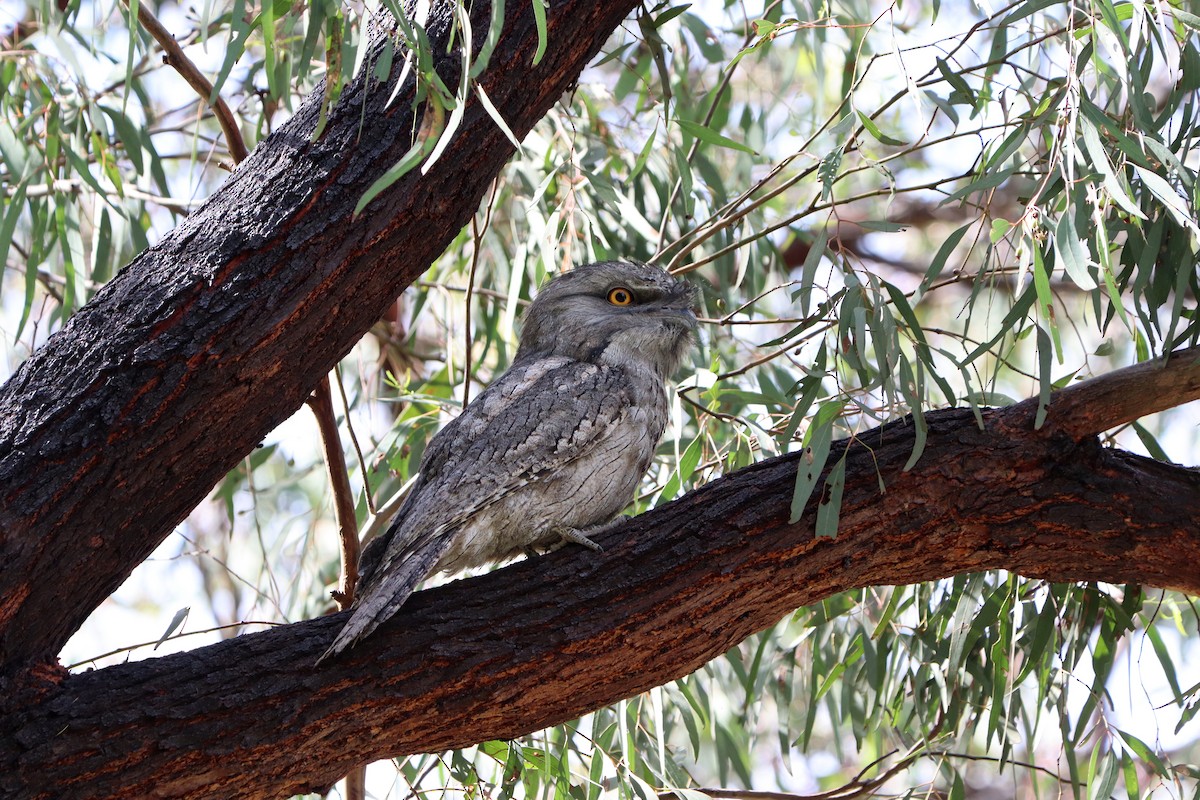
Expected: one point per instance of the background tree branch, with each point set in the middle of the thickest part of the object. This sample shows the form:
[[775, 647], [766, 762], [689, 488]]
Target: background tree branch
[[548, 639]]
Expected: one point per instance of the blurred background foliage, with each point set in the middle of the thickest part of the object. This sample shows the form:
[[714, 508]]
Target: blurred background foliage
[[891, 207]]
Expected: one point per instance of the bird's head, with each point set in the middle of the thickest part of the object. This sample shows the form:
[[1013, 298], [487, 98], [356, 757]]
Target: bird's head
[[618, 312]]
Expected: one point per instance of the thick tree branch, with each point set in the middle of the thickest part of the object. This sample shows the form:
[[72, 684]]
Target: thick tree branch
[[546, 640], [1092, 407], [107, 432]]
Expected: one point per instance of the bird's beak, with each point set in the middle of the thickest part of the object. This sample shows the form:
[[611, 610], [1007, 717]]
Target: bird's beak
[[684, 317]]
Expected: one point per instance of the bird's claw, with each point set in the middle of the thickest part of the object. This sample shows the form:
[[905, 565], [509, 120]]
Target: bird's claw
[[576, 536]]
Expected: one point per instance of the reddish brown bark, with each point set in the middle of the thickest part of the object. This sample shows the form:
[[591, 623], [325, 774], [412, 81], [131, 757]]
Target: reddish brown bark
[[546, 640]]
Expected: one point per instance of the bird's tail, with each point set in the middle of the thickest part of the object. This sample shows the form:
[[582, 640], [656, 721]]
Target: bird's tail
[[393, 581]]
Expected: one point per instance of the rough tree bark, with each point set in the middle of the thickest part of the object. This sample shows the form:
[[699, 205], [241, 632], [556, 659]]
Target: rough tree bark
[[107, 441], [548, 639], [107, 433]]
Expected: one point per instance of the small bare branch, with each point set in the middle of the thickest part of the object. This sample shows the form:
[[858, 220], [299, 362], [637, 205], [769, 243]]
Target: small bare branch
[[321, 403], [174, 57]]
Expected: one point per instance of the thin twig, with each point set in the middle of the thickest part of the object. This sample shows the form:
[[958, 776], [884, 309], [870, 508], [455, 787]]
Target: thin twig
[[174, 56], [374, 524], [718, 93], [74, 185], [362, 462], [477, 233], [129, 648], [321, 403], [356, 783]]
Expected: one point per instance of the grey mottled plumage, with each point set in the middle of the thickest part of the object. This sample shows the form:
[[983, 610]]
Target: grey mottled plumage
[[555, 446]]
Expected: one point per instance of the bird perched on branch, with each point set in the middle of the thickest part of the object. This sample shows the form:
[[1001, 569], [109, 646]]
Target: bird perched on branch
[[553, 449]]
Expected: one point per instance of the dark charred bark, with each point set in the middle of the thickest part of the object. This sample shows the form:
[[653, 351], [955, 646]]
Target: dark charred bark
[[118, 427], [549, 639]]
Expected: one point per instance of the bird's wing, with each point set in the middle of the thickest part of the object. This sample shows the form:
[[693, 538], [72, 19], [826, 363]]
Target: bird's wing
[[536, 418]]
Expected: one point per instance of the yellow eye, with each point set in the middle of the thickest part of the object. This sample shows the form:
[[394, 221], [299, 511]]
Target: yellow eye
[[620, 296]]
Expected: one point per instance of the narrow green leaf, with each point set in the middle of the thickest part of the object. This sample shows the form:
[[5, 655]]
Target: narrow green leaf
[[408, 162], [267, 21], [1174, 204], [1044, 348], [988, 181], [1103, 776], [8, 225], [1071, 252], [808, 272], [603, 188], [383, 64], [1099, 159], [644, 154], [176, 621], [830, 509], [810, 388], [939, 260], [913, 392], [876, 133], [1146, 754], [495, 27], [895, 595], [829, 682], [80, 168], [497, 117], [670, 14], [1114, 296], [69, 266], [1045, 624], [943, 105], [1041, 285], [1008, 147], [539, 19], [1007, 326], [817, 441], [240, 28], [709, 136], [1150, 443], [134, 27], [14, 151], [39, 236], [127, 134], [687, 468], [883, 225], [966, 612], [1164, 659], [957, 82]]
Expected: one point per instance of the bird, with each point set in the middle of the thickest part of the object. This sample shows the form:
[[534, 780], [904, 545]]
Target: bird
[[553, 450]]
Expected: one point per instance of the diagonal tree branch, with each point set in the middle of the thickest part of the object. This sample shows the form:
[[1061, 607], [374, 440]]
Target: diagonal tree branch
[[549, 639], [107, 432]]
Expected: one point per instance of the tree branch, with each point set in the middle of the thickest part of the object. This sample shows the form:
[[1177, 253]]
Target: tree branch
[[1120, 397], [106, 432], [321, 403], [174, 57], [548, 639]]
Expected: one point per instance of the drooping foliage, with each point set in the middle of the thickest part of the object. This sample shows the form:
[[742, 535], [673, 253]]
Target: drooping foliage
[[890, 208]]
